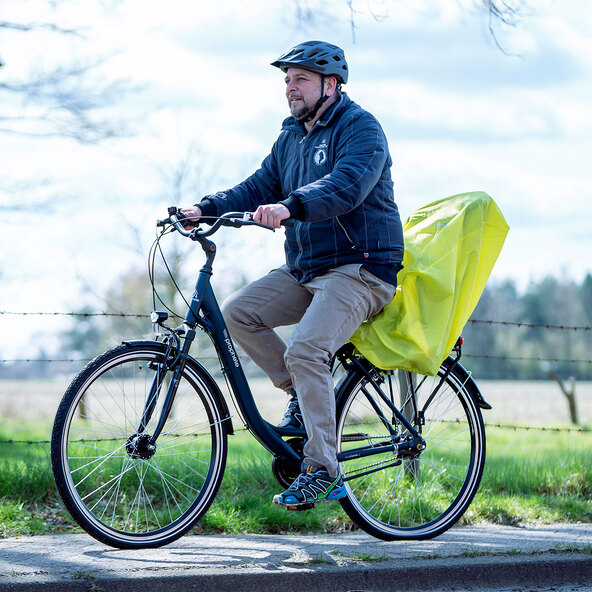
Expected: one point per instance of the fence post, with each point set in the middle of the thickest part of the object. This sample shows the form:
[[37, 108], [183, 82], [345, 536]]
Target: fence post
[[569, 390]]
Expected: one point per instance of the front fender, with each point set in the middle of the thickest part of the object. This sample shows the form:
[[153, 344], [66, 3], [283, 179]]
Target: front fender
[[200, 370]]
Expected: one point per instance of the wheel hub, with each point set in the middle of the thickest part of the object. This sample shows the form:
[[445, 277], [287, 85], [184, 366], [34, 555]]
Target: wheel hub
[[140, 446], [412, 448]]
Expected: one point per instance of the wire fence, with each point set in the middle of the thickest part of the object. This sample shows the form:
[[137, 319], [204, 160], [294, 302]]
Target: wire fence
[[530, 325], [147, 316], [517, 324], [577, 430]]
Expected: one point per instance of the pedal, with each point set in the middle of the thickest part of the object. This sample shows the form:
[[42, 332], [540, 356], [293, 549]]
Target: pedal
[[300, 507], [293, 507]]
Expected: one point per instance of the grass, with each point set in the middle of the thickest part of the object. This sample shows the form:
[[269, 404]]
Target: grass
[[244, 501], [361, 557], [533, 477]]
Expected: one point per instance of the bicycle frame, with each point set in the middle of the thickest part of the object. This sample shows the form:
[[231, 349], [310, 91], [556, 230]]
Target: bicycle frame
[[212, 322]]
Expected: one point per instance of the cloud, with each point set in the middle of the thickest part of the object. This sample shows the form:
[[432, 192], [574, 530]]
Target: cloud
[[459, 114]]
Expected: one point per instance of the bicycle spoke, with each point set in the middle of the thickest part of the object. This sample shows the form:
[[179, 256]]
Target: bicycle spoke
[[100, 460]]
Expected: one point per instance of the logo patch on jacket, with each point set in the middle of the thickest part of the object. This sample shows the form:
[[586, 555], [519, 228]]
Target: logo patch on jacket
[[320, 154]]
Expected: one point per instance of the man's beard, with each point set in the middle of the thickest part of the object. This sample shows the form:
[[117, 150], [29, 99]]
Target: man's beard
[[300, 110]]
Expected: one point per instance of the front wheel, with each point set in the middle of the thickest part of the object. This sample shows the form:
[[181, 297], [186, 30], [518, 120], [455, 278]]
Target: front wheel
[[120, 488], [411, 494]]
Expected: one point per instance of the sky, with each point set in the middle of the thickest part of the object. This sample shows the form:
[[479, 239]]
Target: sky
[[459, 114]]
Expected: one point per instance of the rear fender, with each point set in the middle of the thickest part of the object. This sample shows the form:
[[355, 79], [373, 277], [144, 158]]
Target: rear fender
[[350, 378], [468, 381]]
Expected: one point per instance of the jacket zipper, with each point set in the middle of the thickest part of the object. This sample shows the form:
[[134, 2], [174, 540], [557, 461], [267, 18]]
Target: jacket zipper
[[353, 245], [299, 226]]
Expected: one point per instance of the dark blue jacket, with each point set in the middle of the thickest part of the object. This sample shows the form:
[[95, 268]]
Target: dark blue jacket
[[337, 184]]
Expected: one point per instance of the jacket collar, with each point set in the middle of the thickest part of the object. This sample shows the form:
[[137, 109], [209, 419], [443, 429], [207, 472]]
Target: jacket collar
[[293, 125]]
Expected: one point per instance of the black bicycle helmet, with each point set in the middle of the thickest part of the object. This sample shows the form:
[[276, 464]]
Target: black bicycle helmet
[[317, 56]]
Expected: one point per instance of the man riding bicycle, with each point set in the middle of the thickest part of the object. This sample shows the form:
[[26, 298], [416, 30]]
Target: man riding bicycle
[[328, 172]]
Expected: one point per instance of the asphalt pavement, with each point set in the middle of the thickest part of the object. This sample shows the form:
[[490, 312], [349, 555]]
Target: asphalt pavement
[[463, 558]]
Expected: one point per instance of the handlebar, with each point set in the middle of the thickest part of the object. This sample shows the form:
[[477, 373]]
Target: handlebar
[[234, 219]]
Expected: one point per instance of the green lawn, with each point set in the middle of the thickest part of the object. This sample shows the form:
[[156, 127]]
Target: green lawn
[[530, 477]]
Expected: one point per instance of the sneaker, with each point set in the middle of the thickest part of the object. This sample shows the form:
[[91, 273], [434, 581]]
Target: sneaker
[[311, 486], [293, 416]]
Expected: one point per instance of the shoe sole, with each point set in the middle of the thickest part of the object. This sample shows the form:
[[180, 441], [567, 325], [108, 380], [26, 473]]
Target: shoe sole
[[309, 505]]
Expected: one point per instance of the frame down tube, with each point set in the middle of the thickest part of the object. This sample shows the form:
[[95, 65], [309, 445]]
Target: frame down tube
[[213, 322]]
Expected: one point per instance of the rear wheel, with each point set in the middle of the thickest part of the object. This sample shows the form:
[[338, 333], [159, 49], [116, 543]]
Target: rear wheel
[[120, 488], [412, 495]]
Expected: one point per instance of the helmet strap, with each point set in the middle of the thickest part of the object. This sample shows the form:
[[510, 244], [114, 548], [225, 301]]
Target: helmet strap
[[316, 108]]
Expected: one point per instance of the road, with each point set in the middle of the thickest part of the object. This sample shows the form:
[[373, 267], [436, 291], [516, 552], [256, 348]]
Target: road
[[500, 558]]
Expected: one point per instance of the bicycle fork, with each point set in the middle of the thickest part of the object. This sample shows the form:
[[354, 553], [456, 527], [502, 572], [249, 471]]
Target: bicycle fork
[[141, 444]]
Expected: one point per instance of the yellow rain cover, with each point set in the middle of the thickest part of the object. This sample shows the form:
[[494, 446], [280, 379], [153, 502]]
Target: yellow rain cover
[[451, 246]]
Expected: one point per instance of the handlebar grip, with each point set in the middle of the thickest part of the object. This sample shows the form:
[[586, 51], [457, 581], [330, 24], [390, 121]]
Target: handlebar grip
[[185, 221], [288, 222]]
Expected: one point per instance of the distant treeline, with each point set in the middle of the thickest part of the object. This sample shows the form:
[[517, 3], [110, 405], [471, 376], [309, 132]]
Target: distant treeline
[[552, 331]]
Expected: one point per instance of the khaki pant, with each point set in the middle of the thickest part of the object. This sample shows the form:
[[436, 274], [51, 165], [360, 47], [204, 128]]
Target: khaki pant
[[328, 310]]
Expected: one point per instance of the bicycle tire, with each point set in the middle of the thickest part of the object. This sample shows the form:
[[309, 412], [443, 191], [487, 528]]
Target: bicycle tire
[[415, 498], [119, 498]]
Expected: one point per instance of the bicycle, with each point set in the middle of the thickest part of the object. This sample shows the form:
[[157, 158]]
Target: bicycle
[[139, 441]]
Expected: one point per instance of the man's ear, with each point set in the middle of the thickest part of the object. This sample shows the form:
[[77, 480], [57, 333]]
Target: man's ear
[[330, 85]]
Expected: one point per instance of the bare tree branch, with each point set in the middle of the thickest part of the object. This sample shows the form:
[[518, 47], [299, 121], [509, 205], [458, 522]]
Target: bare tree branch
[[306, 15], [25, 27], [505, 13], [352, 21], [67, 101]]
